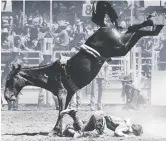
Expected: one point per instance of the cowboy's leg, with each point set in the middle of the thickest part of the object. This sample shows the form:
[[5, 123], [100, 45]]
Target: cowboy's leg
[[90, 125], [100, 92], [69, 132], [78, 99], [109, 122], [135, 96], [40, 98], [78, 123], [92, 97]]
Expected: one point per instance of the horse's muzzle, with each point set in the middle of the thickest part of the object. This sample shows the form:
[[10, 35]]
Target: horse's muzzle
[[13, 98], [10, 98]]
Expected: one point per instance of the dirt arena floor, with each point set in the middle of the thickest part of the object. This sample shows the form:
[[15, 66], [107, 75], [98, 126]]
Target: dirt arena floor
[[28, 124]]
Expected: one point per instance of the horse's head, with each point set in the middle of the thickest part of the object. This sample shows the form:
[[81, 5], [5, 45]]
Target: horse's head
[[12, 87]]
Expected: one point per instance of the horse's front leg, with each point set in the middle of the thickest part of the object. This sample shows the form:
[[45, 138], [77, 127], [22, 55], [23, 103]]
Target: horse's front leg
[[57, 130]]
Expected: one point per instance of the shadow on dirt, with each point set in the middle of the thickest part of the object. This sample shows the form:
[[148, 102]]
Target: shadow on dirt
[[29, 134]]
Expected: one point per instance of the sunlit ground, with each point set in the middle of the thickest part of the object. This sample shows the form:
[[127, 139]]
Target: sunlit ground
[[34, 125]]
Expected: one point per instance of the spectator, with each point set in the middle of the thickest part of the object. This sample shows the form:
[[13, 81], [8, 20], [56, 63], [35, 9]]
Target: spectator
[[7, 41], [79, 35], [26, 40], [18, 45], [100, 84], [162, 55], [63, 43]]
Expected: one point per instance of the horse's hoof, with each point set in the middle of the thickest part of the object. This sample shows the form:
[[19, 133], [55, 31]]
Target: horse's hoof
[[53, 134], [148, 23], [158, 28]]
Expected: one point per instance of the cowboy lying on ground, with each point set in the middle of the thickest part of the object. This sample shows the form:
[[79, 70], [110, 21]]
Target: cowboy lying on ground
[[102, 124]]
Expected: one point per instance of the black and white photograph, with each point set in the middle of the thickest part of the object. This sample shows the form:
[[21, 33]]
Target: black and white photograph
[[86, 70]]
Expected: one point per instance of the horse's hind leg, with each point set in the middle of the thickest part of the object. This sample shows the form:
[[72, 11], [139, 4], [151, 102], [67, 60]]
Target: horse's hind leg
[[68, 98], [140, 33], [136, 27], [135, 37]]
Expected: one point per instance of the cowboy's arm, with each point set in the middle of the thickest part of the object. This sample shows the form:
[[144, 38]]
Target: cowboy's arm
[[55, 35], [132, 87], [123, 93], [78, 134], [28, 49], [81, 134], [121, 130], [61, 33]]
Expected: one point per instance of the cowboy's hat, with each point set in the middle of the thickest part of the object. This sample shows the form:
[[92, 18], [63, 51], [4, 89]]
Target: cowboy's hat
[[78, 22], [62, 24], [127, 79], [27, 25]]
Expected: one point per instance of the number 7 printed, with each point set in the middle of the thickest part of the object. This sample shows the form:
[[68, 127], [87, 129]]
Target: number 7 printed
[[5, 2]]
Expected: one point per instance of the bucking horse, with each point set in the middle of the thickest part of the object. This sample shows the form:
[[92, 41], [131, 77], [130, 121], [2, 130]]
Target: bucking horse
[[83, 67]]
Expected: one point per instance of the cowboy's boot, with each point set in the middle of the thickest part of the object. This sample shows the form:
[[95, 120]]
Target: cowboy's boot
[[70, 112]]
